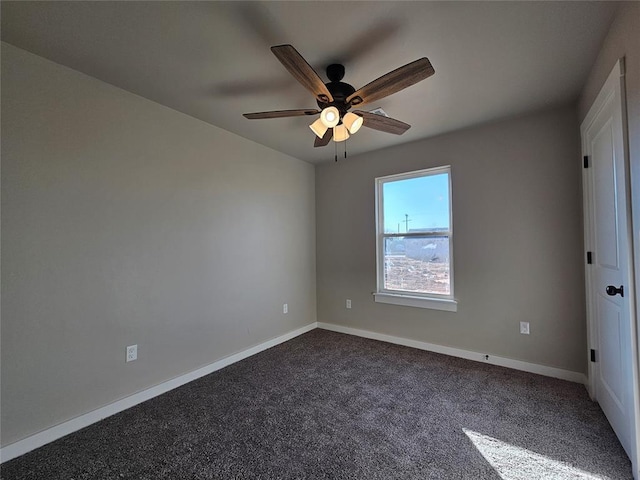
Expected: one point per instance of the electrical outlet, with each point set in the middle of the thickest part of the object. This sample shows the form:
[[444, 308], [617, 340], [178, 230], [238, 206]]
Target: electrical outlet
[[132, 353], [524, 328], [285, 308], [348, 303]]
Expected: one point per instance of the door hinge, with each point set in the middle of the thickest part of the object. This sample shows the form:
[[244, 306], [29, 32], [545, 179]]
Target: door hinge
[[589, 258], [593, 355], [585, 161]]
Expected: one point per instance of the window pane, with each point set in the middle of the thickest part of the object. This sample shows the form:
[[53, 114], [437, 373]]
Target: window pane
[[416, 204], [417, 264]]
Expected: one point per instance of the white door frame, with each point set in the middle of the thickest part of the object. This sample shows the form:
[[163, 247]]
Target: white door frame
[[613, 85]]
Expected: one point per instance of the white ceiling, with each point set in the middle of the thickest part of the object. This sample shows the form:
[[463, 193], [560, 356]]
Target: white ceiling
[[211, 60]]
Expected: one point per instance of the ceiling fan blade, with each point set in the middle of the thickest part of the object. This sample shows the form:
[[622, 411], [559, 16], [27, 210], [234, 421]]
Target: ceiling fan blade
[[302, 71], [382, 123], [392, 82], [280, 114], [321, 142]]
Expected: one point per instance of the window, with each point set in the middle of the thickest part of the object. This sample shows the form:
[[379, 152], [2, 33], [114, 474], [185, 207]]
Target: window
[[414, 239]]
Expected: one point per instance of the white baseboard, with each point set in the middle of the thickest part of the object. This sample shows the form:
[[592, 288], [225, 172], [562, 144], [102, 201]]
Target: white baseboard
[[576, 377], [32, 442]]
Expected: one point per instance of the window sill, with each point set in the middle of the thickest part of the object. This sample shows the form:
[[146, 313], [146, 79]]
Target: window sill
[[448, 305]]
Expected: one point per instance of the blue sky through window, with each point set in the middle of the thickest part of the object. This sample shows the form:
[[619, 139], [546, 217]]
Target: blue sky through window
[[416, 204]]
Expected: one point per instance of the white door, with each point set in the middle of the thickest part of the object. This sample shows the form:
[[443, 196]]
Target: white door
[[609, 287]]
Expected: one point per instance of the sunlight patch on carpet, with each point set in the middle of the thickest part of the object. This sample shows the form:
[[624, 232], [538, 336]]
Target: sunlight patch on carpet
[[517, 463]]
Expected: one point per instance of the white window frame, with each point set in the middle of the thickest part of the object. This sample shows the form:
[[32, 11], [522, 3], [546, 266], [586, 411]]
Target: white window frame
[[406, 298]]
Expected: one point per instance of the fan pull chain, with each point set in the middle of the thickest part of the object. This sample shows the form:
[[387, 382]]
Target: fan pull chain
[[335, 145], [345, 149]]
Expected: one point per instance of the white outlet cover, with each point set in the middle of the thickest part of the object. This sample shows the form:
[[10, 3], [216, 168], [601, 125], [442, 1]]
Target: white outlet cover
[[524, 328], [348, 303], [132, 353], [285, 308]]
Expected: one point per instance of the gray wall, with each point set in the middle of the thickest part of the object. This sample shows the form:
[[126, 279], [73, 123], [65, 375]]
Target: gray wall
[[517, 240], [125, 222]]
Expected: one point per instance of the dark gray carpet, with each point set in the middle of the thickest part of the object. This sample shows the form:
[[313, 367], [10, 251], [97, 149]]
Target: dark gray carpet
[[331, 406]]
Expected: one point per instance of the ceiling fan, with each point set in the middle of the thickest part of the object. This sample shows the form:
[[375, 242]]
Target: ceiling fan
[[336, 98]]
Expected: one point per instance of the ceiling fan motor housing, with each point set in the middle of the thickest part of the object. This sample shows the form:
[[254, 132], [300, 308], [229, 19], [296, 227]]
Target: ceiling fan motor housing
[[339, 90]]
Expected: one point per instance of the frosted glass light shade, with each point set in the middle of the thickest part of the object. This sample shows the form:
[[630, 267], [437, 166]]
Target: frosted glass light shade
[[319, 128], [330, 117], [353, 122], [340, 133]]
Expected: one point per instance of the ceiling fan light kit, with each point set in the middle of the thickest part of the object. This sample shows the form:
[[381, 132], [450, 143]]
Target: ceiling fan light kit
[[330, 118], [335, 97]]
